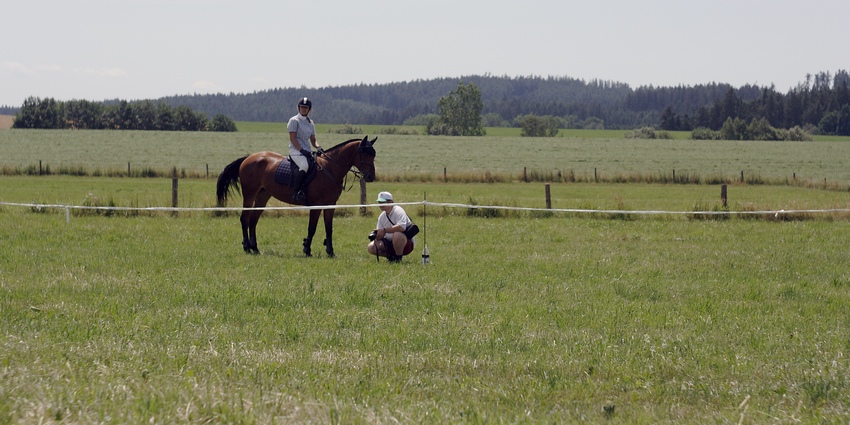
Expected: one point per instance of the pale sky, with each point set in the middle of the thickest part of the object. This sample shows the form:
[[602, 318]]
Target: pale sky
[[146, 49]]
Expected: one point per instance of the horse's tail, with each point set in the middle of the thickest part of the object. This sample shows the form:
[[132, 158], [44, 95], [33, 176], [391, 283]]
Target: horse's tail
[[227, 180]]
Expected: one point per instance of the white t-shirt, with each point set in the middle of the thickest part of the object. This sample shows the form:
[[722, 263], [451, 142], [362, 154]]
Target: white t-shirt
[[398, 216], [303, 128]]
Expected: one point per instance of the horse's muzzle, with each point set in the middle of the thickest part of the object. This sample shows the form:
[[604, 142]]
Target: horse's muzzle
[[369, 177]]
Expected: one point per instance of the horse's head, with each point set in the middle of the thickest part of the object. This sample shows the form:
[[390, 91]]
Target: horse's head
[[367, 155]]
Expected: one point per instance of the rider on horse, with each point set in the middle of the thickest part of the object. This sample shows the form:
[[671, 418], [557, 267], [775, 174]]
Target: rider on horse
[[302, 134]]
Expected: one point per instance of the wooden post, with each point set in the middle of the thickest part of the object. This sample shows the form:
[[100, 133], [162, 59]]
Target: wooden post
[[595, 177], [723, 195], [363, 197], [548, 197], [39, 167], [208, 170], [174, 191], [524, 175], [128, 169], [445, 177], [742, 176], [674, 175]]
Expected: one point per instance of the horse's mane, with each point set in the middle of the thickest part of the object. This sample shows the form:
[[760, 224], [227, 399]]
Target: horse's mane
[[341, 145]]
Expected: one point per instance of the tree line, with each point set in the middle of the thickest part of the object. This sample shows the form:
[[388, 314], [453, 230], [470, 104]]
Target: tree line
[[816, 104], [820, 104], [145, 115]]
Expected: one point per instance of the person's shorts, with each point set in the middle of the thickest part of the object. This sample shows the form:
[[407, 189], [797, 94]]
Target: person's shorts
[[408, 247]]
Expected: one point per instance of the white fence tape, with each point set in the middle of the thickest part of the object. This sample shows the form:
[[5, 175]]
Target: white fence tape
[[430, 204]]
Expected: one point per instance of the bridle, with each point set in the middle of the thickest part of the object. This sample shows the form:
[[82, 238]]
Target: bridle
[[358, 174]]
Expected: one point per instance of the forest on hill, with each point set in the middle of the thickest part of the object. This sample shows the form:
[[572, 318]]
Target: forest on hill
[[820, 103]]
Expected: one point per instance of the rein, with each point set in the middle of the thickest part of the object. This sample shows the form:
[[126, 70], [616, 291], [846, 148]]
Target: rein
[[357, 173]]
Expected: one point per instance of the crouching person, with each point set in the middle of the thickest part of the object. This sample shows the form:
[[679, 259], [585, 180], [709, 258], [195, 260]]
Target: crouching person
[[389, 238]]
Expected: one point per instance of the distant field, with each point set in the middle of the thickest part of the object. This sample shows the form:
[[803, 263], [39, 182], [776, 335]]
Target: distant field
[[417, 157], [263, 127], [6, 121]]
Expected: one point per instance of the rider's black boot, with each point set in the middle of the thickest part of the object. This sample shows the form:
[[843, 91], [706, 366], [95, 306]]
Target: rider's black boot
[[298, 195]]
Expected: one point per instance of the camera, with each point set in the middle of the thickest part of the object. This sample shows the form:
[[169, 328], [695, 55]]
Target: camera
[[373, 235]]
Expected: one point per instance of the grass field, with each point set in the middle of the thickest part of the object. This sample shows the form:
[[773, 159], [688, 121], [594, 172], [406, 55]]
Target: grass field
[[530, 320], [264, 127], [522, 317], [200, 193], [415, 158]]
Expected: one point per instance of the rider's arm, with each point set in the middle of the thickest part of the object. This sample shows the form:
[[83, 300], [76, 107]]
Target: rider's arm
[[294, 141]]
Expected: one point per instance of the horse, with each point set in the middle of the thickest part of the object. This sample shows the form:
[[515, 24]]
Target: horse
[[256, 173]]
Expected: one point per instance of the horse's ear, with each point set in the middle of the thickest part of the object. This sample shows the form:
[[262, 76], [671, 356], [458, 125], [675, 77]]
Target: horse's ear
[[373, 140], [365, 138]]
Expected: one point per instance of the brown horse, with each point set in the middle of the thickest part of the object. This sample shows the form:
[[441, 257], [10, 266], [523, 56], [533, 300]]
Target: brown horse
[[256, 173]]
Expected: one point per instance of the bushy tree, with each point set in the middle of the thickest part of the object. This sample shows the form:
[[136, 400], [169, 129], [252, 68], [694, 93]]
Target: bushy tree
[[836, 122], [594, 123], [145, 115], [704, 133], [535, 126], [733, 129], [759, 129], [37, 113], [83, 114], [220, 122], [648, 133], [460, 112]]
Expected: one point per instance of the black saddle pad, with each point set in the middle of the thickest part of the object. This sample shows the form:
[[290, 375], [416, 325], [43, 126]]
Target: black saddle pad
[[284, 174]]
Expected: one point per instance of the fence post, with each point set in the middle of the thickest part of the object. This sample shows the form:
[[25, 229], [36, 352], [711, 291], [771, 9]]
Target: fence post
[[445, 177], [128, 169], [595, 177], [362, 197], [39, 167], [723, 195], [174, 191], [208, 170], [548, 198], [742, 176], [524, 175]]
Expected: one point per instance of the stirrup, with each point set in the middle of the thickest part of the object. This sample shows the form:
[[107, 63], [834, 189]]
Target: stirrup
[[299, 196]]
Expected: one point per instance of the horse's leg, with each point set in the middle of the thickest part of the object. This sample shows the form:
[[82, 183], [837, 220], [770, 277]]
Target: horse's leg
[[311, 230], [261, 201], [329, 231], [245, 219]]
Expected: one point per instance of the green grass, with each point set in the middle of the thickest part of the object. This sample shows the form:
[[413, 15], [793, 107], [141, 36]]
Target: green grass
[[463, 159], [533, 320], [200, 193], [521, 317]]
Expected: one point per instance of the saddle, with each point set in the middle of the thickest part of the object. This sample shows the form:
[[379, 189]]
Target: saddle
[[284, 174]]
